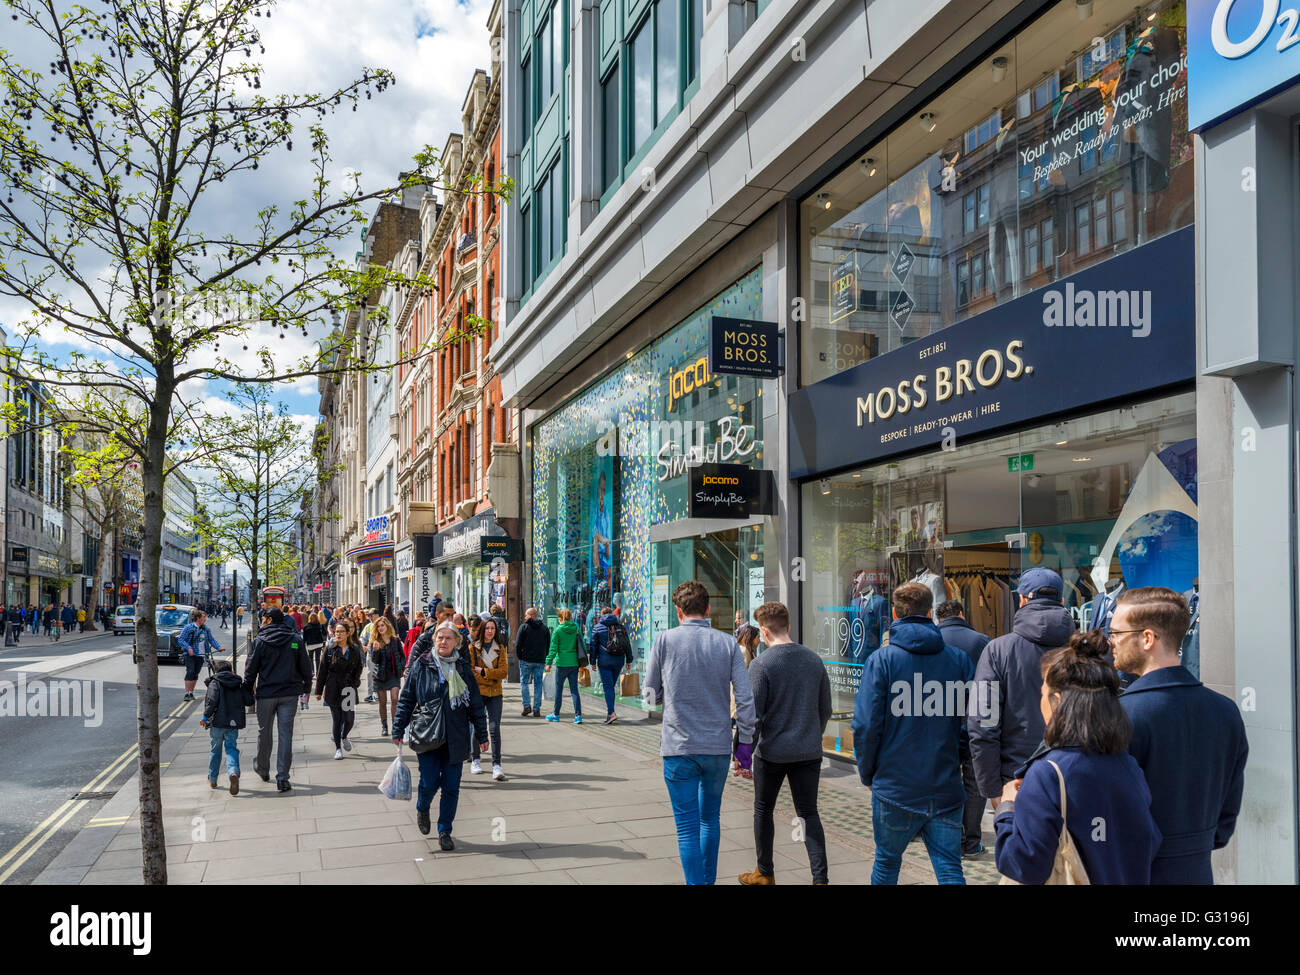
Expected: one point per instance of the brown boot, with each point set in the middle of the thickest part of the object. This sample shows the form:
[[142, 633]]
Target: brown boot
[[756, 878]]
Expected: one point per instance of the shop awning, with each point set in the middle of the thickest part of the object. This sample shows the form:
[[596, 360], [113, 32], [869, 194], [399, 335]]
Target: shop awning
[[373, 552], [694, 527]]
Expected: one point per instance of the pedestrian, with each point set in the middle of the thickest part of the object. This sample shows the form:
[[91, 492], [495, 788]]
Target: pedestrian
[[1081, 777], [613, 651], [239, 615], [531, 645], [403, 626], [225, 709], [313, 637], [461, 623], [366, 624], [792, 704], [15, 617], [413, 633], [434, 603], [387, 663], [279, 672], [337, 680], [1189, 741], [909, 755], [298, 619], [440, 674], [474, 626], [224, 614], [81, 618], [956, 632], [197, 641], [489, 663], [566, 654], [1005, 723], [498, 613], [693, 669], [50, 621], [34, 619]]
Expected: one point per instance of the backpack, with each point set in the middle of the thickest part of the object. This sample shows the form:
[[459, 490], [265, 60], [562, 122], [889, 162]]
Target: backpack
[[618, 644]]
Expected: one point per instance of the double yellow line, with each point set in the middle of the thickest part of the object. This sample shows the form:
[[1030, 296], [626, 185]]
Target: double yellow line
[[33, 841]]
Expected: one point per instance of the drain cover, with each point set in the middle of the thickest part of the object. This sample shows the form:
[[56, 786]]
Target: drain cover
[[94, 795]]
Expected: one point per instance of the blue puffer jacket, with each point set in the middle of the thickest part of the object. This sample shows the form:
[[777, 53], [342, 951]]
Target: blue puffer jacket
[[906, 756], [423, 683], [600, 641]]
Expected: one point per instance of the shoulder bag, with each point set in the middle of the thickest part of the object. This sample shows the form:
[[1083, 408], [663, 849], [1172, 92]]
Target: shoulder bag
[[1067, 867]]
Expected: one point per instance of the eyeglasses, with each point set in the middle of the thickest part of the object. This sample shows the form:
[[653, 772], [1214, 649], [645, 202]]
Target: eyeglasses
[[1122, 632]]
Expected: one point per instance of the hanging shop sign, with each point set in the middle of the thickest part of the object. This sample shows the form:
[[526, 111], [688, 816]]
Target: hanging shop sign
[[499, 547], [405, 560], [731, 491], [1238, 53], [377, 529], [18, 553], [461, 541], [423, 549], [844, 287], [1124, 327], [744, 347]]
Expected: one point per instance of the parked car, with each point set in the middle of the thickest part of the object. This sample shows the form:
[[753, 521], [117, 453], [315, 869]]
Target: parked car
[[169, 620], [123, 620]]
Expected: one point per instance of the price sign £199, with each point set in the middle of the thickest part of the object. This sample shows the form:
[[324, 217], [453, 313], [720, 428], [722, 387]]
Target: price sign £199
[[1238, 52]]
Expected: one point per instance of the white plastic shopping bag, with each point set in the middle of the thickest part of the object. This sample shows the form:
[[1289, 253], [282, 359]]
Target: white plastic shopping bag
[[396, 783], [548, 685]]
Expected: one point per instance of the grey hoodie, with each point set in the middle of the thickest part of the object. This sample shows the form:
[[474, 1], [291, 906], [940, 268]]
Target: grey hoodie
[[1011, 668]]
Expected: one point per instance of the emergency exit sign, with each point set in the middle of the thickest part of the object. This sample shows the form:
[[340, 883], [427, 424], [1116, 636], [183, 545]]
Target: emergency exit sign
[[1020, 462]]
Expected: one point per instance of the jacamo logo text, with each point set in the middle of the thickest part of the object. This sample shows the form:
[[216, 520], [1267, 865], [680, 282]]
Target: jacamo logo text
[[685, 381]]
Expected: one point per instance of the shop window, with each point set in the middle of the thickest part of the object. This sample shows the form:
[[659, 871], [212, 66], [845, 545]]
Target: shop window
[[666, 58], [884, 239], [550, 49], [641, 93], [1083, 507]]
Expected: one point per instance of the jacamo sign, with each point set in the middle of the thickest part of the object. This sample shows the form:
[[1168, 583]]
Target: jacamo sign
[[1120, 329], [744, 347], [686, 380], [1238, 53], [731, 491]]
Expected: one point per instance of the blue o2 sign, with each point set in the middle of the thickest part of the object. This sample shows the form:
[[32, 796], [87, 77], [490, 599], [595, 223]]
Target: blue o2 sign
[[1238, 52]]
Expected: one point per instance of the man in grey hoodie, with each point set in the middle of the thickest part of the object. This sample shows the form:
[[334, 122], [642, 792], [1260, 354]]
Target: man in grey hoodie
[[1005, 721], [693, 670]]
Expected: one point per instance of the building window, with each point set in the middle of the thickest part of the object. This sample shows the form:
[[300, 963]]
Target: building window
[[551, 54], [695, 11], [1049, 244], [609, 129], [1033, 253], [666, 58], [1083, 228], [525, 249], [1117, 215], [641, 95]]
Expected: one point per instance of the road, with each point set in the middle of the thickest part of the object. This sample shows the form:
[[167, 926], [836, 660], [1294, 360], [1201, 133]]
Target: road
[[45, 760]]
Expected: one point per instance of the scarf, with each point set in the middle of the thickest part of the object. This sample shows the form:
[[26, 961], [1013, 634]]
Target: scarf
[[457, 692]]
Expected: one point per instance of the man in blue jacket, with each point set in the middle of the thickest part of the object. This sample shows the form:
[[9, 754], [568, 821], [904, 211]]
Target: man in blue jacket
[[1189, 740], [196, 640], [909, 737], [956, 632]]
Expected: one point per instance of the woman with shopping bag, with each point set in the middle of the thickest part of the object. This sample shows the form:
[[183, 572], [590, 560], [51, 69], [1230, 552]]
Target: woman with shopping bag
[[1047, 823], [439, 694]]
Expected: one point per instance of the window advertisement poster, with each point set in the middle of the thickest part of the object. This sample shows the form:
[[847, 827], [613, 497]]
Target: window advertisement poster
[[603, 517]]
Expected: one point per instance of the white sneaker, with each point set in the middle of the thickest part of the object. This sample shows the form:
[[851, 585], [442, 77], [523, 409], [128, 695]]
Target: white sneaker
[[338, 754], [497, 774], [475, 767]]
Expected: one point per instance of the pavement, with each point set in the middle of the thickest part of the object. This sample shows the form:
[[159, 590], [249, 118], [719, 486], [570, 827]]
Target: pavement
[[582, 805]]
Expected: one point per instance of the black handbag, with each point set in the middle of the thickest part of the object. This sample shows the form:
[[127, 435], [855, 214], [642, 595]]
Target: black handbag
[[582, 650], [427, 730]]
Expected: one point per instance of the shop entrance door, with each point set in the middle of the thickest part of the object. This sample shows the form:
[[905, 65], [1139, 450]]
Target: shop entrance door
[[713, 559]]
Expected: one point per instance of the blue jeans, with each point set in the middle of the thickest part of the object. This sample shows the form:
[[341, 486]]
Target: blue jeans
[[695, 784], [569, 674], [531, 674], [229, 738], [609, 681], [895, 827], [438, 770]]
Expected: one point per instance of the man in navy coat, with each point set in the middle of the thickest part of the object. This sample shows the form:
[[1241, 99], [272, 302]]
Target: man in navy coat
[[1189, 740]]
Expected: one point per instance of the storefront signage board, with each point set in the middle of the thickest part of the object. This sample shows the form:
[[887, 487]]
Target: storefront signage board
[[505, 549], [744, 347], [731, 491], [1044, 354], [1238, 53]]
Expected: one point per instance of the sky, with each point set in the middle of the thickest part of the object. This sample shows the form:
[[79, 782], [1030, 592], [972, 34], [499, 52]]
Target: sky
[[432, 46]]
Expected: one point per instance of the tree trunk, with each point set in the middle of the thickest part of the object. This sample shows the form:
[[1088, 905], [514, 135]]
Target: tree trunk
[[97, 590], [153, 842]]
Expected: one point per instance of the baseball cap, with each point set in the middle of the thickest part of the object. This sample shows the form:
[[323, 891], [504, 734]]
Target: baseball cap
[[1033, 580]]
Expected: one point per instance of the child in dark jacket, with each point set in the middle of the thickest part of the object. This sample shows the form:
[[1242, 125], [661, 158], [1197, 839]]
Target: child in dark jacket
[[225, 706], [1108, 803]]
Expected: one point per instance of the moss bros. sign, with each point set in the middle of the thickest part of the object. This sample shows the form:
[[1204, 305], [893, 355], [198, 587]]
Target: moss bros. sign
[[1121, 328], [744, 347]]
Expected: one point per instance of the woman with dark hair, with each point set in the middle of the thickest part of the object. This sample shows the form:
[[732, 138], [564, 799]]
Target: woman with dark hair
[[487, 660], [1087, 769], [337, 680]]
